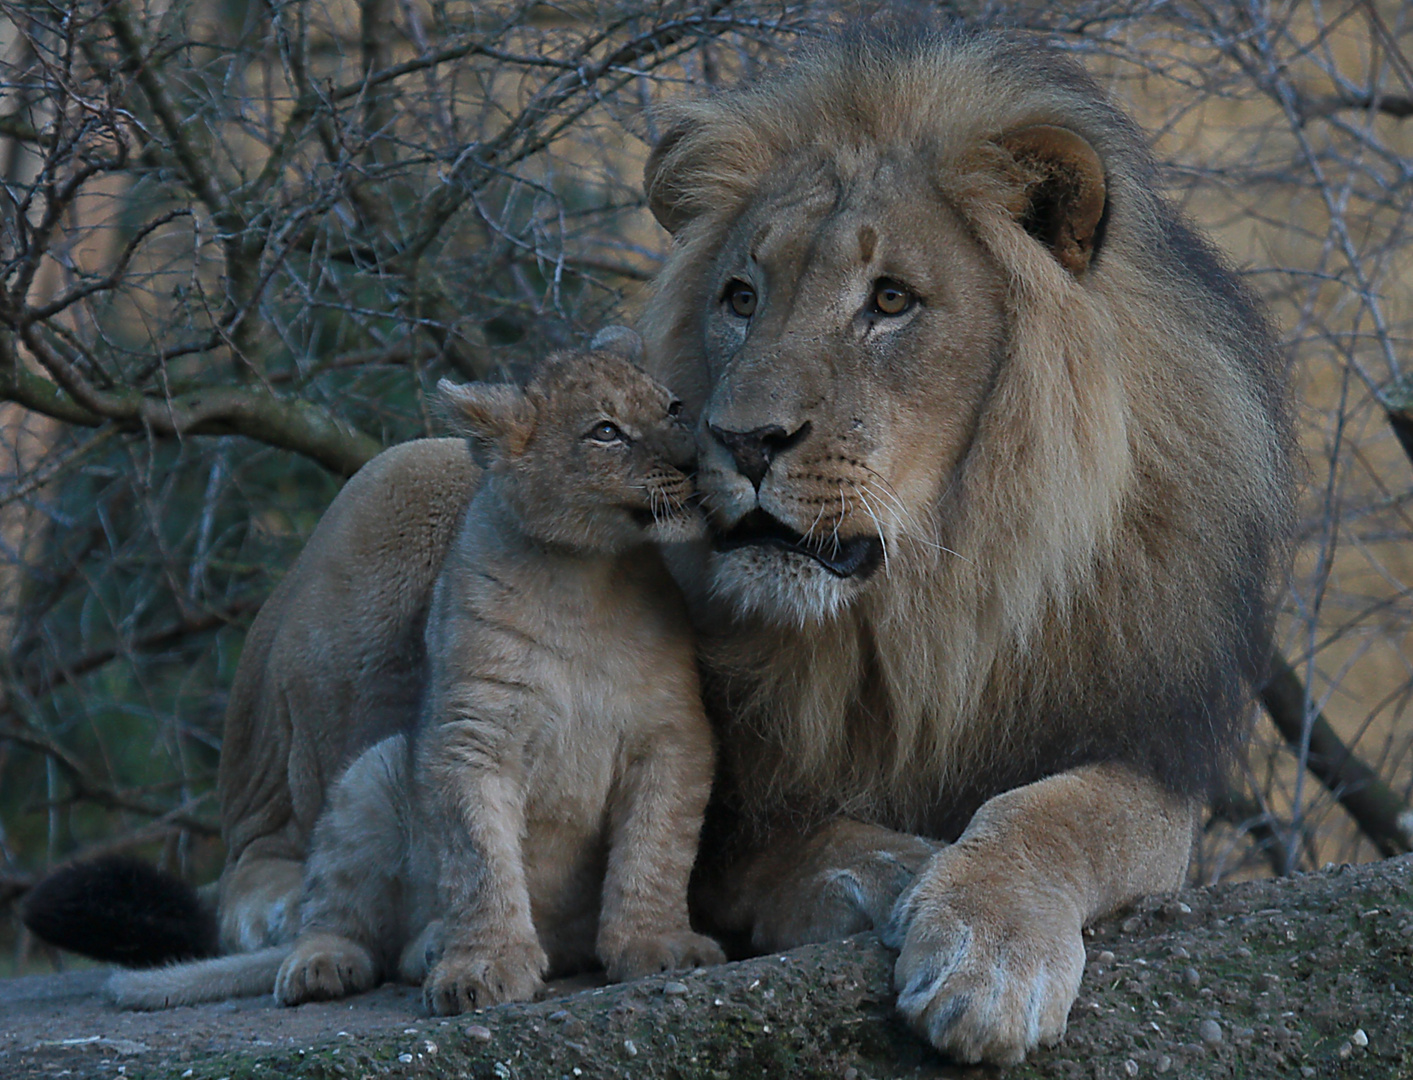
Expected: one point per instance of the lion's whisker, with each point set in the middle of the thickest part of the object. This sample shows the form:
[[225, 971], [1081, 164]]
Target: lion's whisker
[[877, 524]]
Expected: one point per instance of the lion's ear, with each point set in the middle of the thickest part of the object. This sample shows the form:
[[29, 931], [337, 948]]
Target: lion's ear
[[661, 178], [496, 417], [1066, 197]]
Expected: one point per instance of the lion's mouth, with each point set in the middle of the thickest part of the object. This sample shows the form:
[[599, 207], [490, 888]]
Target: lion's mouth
[[842, 558]]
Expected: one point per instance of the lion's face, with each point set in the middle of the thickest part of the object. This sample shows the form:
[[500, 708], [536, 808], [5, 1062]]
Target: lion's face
[[852, 330]]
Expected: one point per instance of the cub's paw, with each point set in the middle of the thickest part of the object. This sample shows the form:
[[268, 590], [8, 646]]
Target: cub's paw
[[422, 953], [662, 952], [987, 970], [473, 978], [324, 966]]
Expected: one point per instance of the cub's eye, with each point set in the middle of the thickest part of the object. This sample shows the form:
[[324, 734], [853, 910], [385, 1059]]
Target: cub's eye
[[674, 409], [890, 297], [742, 299], [606, 433]]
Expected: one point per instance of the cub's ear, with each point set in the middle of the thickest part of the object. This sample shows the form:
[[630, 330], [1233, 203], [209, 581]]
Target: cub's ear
[[621, 341], [1066, 196], [497, 417]]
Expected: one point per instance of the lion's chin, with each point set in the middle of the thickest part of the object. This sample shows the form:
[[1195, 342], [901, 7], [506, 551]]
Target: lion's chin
[[779, 585]]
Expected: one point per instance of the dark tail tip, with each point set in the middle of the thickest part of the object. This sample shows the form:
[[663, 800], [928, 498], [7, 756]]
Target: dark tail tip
[[121, 910]]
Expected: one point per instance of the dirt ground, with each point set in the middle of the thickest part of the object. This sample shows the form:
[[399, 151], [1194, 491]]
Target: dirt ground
[[1303, 977]]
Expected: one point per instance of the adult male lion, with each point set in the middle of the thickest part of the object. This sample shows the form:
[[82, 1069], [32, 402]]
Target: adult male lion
[[996, 452]]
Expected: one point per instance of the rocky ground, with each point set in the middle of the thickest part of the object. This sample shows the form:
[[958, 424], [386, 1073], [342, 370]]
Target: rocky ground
[[1305, 977]]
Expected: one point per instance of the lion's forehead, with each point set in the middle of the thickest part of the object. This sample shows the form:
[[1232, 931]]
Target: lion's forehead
[[841, 231]]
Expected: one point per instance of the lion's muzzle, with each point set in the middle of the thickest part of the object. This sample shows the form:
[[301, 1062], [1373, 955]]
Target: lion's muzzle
[[844, 558]]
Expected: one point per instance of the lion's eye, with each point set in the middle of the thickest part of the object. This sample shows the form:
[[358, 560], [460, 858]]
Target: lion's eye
[[606, 433], [674, 409], [890, 298], [742, 299]]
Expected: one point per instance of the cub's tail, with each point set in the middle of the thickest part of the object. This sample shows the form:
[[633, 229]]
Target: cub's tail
[[200, 981], [121, 910]]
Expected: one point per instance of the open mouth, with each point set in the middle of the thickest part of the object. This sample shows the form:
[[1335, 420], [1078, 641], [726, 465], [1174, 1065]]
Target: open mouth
[[842, 558]]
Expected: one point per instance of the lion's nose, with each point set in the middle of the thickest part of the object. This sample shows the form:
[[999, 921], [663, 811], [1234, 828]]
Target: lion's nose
[[754, 450]]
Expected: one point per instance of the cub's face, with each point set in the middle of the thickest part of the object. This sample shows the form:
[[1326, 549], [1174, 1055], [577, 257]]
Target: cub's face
[[851, 332], [594, 454]]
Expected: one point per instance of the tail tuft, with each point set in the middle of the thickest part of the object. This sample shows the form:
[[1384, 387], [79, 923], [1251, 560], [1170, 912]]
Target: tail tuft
[[120, 910]]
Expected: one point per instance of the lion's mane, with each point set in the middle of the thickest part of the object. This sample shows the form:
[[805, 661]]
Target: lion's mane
[[1097, 580]]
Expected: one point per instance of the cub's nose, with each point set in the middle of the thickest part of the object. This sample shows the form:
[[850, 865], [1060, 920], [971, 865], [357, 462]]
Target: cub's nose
[[754, 450]]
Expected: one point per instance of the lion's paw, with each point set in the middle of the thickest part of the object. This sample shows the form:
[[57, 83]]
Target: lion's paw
[[260, 904], [323, 967], [985, 973], [854, 882], [473, 978], [671, 951]]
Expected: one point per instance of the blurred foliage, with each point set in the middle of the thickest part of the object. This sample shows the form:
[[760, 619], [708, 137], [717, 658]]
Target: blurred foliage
[[242, 239]]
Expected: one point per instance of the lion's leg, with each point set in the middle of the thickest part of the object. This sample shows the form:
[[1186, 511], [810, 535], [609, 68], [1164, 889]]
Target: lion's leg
[[656, 820], [490, 952], [357, 882], [842, 878], [990, 932]]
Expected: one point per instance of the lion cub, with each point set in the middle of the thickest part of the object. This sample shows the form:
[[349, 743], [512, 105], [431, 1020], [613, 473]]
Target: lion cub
[[545, 811], [563, 760]]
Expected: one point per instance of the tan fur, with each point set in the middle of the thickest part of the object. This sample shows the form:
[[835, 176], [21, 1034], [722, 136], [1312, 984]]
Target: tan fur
[[546, 815], [564, 757], [1071, 455], [1074, 447]]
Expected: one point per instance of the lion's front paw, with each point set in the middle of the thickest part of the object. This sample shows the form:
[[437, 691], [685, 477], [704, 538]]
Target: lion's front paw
[[473, 978], [852, 876], [662, 952], [985, 972], [322, 967]]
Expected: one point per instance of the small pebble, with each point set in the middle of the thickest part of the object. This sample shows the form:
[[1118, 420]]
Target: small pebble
[[1359, 1038], [674, 989], [1179, 953], [1243, 952], [1105, 957], [1344, 1050], [558, 1015], [1307, 1070], [406, 1059], [1130, 1067], [1164, 1063], [851, 1073], [1267, 981], [630, 1048], [479, 1032], [1132, 925], [1191, 977], [1210, 1032], [429, 1048]]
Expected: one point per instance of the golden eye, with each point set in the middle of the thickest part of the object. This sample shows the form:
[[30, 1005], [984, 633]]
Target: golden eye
[[742, 299], [890, 298], [606, 433]]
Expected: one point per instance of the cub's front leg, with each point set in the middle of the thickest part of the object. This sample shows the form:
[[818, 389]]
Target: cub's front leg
[[476, 805], [656, 820], [991, 949]]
